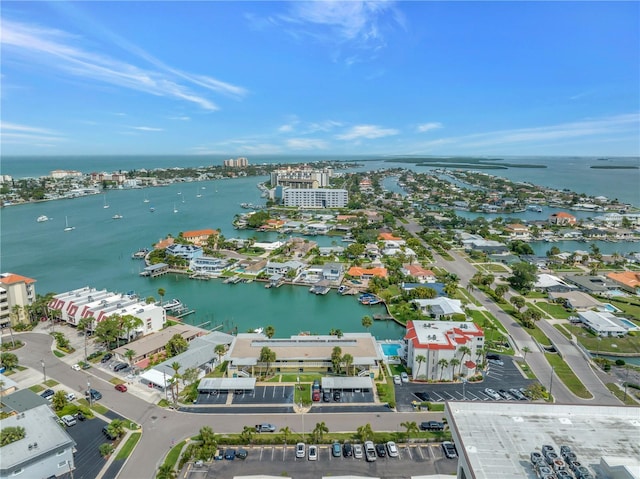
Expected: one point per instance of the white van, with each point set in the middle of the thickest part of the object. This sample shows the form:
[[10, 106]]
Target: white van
[[68, 420]]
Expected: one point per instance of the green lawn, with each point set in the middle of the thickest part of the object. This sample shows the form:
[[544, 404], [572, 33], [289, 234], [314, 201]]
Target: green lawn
[[567, 376], [631, 308], [36, 388], [619, 393], [51, 383], [128, 446], [174, 454], [495, 268], [57, 353], [302, 394], [539, 336], [554, 310], [628, 344]]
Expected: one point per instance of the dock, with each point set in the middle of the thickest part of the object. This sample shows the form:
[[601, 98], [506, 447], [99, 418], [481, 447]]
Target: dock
[[202, 276], [319, 289]]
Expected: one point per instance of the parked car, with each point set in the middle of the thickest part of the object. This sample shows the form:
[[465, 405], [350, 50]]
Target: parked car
[[505, 394], [370, 451], [316, 385], [392, 449], [47, 394], [313, 453], [347, 450], [301, 450], [93, 394], [242, 454], [76, 367], [121, 387], [80, 416], [492, 394], [336, 449], [315, 395], [120, 367], [326, 396], [449, 449], [498, 362], [68, 420], [230, 454], [381, 450], [396, 379], [357, 451], [265, 427], [70, 397], [517, 394], [219, 456], [431, 426], [404, 377], [106, 357], [337, 396], [493, 356]]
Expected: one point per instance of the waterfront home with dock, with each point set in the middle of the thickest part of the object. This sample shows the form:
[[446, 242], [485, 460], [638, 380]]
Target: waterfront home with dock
[[440, 307]]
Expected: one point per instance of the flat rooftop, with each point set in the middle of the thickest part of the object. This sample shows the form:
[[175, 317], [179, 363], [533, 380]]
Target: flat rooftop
[[496, 439]]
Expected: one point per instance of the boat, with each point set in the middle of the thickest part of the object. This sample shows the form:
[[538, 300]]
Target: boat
[[536, 208], [141, 253], [67, 227], [42, 218], [146, 200], [342, 289], [117, 217], [151, 209], [172, 305], [175, 210], [258, 330], [106, 205]]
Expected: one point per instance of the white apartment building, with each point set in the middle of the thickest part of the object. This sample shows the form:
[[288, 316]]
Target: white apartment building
[[437, 343], [90, 303], [315, 197], [301, 178], [15, 290]]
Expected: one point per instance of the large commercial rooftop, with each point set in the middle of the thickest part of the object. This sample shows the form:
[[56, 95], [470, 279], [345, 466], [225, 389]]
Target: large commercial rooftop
[[495, 440]]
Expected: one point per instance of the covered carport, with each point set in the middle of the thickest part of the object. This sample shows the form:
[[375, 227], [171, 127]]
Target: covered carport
[[226, 385], [347, 384], [155, 379]]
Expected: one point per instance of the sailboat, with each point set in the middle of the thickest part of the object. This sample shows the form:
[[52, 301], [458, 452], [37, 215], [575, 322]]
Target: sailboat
[[67, 227], [198, 194], [175, 210], [106, 205], [146, 200]]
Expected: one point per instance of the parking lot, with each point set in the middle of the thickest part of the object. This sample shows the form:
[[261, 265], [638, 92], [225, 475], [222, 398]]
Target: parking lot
[[414, 459], [498, 376], [88, 436]]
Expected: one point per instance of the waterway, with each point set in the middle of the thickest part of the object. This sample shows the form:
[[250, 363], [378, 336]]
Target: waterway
[[97, 253]]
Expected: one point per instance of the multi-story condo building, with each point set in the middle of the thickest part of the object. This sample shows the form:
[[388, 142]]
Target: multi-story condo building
[[16, 292], [315, 197], [301, 178], [240, 162], [432, 345]]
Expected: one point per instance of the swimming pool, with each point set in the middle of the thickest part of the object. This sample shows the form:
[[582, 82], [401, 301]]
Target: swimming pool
[[628, 323], [391, 349], [610, 308]]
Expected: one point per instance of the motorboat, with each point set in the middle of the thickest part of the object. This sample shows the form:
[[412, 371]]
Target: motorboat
[[67, 227], [117, 217], [42, 218]]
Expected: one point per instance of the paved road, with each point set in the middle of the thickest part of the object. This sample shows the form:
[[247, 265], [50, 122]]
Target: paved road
[[164, 428], [535, 359]]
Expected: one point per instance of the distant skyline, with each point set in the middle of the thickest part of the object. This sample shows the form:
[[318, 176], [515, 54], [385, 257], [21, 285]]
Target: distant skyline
[[320, 78]]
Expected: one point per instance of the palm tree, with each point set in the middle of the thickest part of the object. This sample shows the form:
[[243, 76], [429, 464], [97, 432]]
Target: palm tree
[[336, 358], [269, 331], [130, 322], [116, 428], [285, 433], [410, 426], [347, 359], [319, 431], [464, 350], [84, 325], [443, 363], [247, 434], [59, 400], [526, 350], [267, 356], [161, 293], [419, 359], [453, 363], [365, 433], [176, 367], [367, 322], [130, 354], [220, 349]]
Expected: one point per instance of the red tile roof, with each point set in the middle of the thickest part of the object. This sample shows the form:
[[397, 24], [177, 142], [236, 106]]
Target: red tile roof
[[15, 278], [388, 237], [196, 233], [358, 271]]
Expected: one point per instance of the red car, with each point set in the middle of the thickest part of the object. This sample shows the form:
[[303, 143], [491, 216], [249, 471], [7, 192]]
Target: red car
[[121, 388]]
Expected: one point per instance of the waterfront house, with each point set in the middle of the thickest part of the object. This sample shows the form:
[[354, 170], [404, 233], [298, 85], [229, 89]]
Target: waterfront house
[[551, 283], [367, 273], [431, 345], [199, 237], [421, 274], [627, 280], [16, 294], [517, 231], [274, 267], [486, 246], [603, 323], [185, 251], [562, 218], [302, 354], [591, 284], [330, 250], [439, 308], [46, 450], [390, 237], [576, 300], [209, 265]]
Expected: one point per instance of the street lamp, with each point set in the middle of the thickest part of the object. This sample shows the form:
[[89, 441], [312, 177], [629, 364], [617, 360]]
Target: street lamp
[[44, 371], [551, 381], [464, 383], [89, 392], [301, 410]]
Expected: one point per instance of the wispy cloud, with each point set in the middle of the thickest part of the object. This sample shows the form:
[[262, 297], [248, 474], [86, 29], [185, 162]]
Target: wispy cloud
[[179, 118], [58, 50], [32, 135], [593, 128], [429, 126], [324, 126], [146, 128], [306, 144], [367, 131]]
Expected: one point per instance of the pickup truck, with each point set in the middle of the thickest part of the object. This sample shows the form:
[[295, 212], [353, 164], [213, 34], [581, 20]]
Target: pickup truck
[[266, 427], [431, 426]]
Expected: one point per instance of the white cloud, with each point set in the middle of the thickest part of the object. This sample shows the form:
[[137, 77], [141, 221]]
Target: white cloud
[[179, 118], [146, 128], [58, 50], [24, 134], [367, 131], [306, 144], [326, 125], [429, 126]]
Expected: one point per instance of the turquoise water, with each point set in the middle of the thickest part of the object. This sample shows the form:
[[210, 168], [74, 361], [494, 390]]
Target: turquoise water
[[628, 323], [610, 307], [391, 349]]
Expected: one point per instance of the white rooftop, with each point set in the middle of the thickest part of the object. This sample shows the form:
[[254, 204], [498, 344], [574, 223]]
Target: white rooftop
[[495, 440], [441, 305]]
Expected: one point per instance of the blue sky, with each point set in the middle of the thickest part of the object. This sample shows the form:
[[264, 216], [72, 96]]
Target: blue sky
[[322, 78]]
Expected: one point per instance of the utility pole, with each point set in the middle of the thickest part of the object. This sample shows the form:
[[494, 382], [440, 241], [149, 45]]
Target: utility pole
[[89, 392], [44, 371], [551, 381]]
